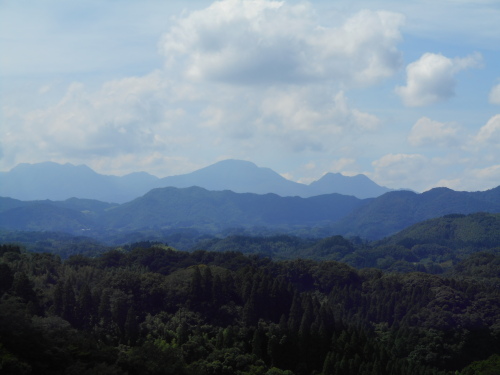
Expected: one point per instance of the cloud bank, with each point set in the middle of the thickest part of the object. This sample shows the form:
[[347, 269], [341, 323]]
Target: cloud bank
[[271, 42], [239, 76]]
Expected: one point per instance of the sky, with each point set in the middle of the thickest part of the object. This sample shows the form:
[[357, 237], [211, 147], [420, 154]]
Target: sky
[[407, 93]]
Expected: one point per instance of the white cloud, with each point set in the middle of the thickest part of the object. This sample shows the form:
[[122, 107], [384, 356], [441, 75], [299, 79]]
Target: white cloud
[[489, 177], [427, 132], [474, 179], [431, 79], [308, 118], [469, 172], [401, 170], [145, 115], [285, 73], [495, 95], [270, 42], [340, 165], [490, 133], [125, 116]]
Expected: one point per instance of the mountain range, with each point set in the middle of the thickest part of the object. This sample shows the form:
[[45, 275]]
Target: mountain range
[[54, 181], [215, 211]]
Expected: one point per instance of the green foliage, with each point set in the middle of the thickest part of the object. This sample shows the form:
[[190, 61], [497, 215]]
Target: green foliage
[[155, 310], [479, 230], [62, 244], [433, 246], [490, 366]]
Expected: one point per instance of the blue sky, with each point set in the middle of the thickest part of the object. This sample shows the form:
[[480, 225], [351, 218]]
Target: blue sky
[[407, 93]]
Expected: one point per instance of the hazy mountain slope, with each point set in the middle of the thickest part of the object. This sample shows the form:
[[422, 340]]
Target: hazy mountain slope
[[9, 203], [51, 181], [86, 206], [238, 176], [59, 182], [71, 215], [222, 209], [397, 210], [40, 216], [131, 186], [360, 186]]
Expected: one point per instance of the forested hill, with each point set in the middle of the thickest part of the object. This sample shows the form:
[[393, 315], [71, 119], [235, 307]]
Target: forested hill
[[394, 211], [155, 311], [455, 231], [170, 208], [146, 308], [218, 211], [432, 246], [201, 208]]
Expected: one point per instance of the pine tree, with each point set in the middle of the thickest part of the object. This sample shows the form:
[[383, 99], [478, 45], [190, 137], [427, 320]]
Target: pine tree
[[131, 326], [84, 313], [6, 278], [196, 289], [329, 364]]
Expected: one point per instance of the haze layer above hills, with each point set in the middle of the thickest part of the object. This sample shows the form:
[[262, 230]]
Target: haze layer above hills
[[59, 182]]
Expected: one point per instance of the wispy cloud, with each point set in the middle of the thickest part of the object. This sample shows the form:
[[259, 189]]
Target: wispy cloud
[[430, 133], [494, 96]]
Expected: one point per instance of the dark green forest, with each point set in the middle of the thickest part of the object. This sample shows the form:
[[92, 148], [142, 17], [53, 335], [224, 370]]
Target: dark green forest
[[146, 308]]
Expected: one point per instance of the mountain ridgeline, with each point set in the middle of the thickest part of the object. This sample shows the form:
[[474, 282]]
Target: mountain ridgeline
[[218, 211], [59, 182], [397, 210]]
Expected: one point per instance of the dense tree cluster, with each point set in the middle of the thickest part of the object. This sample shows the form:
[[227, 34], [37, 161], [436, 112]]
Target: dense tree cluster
[[150, 309]]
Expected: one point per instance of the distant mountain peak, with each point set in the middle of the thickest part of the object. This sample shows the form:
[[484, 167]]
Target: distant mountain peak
[[235, 166], [50, 180], [239, 176], [235, 162], [359, 185]]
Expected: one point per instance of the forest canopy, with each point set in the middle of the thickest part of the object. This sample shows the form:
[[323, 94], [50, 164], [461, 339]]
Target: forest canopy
[[151, 309]]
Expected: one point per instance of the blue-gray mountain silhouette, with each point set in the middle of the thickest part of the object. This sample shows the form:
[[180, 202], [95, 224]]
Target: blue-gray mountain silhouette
[[215, 211], [54, 181]]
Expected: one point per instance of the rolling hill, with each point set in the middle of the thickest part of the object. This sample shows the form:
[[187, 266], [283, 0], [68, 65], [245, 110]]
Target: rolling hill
[[198, 207], [215, 211], [397, 210], [44, 216], [454, 231]]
